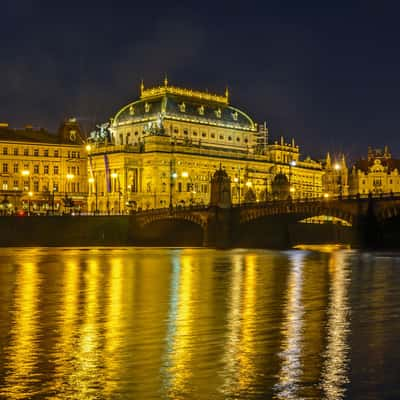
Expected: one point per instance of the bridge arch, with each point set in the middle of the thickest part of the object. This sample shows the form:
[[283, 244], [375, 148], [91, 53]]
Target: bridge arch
[[296, 212], [189, 217]]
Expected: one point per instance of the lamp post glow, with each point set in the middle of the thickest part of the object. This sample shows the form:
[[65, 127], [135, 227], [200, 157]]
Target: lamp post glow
[[115, 176], [92, 181], [68, 203], [291, 164], [30, 194], [338, 168], [26, 174]]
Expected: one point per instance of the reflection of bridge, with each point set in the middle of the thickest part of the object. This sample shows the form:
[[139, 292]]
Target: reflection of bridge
[[267, 223]]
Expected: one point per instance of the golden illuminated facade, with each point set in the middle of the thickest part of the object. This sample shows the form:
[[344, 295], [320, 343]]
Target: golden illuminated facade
[[42, 173], [162, 150], [377, 174], [335, 179]]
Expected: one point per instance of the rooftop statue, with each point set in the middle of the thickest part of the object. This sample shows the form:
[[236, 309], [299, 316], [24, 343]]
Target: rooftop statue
[[101, 133]]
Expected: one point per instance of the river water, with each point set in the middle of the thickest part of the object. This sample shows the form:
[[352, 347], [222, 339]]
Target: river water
[[141, 323]]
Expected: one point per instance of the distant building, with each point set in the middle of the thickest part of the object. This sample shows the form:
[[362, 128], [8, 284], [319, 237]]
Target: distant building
[[42, 171], [378, 173], [335, 177], [162, 150]]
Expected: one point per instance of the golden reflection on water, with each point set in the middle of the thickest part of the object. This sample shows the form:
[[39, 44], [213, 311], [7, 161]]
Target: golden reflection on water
[[68, 317], [234, 321], [179, 368], [291, 368], [113, 328], [334, 374], [22, 349], [246, 350], [86, 378]]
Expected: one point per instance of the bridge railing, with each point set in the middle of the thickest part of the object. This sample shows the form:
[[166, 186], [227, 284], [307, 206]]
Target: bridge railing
[[319, 200]]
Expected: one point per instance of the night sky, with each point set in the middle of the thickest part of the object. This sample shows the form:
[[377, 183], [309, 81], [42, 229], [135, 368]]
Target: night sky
[[326, 73]]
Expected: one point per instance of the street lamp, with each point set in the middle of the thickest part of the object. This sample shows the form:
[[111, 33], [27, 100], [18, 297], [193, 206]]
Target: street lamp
[[115, 176], [92, 181], [26, 174], [339, 180], [172, 177], [30, 194], [291, 164], [68, 202]]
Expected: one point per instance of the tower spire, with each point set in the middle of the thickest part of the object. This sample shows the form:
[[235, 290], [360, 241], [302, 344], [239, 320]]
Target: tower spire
[[328, 160], [165, 80], [227, 93], [141, 87]]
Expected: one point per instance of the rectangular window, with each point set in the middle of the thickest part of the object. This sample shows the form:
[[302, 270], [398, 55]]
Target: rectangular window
[[36, 152], [179, 187], [73, 154], [26, 185], [36, 186], [46, 169], [5, 168], [55, 187], [15, 185], [46, 153], [77, 170], [5, 185], [77, 187], [15, 151], [16, 167], [36, 169], [73, 187], [26, 152], [5, 151], [56, 153], [55, 170]]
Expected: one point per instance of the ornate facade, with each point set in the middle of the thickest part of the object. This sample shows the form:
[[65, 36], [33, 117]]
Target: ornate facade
[[335, 180], [377, 174], [162, 149], [41, 172]]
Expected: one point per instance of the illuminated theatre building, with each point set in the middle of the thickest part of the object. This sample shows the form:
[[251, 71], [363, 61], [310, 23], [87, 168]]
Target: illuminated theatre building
[[161, 151]]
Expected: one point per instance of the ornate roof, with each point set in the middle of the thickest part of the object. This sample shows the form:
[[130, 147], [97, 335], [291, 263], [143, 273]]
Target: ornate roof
[[170, 102]]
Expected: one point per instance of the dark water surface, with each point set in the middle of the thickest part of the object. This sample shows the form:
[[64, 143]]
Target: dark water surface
[[199, 324]]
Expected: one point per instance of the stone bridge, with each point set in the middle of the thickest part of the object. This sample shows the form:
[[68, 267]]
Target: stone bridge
[[266, 224]]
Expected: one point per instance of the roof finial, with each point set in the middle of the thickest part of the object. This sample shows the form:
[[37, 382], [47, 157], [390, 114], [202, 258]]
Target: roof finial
[[227, 93], [165, 80], [141, 87]]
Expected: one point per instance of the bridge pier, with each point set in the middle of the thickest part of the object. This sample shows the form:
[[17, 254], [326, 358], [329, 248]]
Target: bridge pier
[[218, 232]]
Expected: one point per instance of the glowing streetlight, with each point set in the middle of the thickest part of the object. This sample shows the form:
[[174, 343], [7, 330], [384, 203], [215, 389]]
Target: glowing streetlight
[[249, 184], [88, 148], [30, 194], [326, 195], [114, 175], [337, 168]]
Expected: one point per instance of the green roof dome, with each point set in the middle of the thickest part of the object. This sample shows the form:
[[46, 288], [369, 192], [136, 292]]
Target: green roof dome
[[185, 105]]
